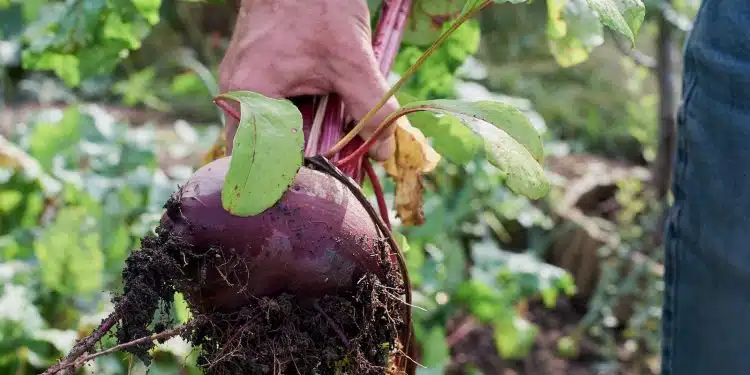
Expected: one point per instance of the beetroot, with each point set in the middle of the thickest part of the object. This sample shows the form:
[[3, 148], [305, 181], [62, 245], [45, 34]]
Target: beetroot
[[312, 285], [317, 240]]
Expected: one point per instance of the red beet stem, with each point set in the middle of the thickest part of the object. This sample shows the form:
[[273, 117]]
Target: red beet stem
[[227, 108], [378, 192], [351, 169], [332, 123], [361, 150], [389, 31]]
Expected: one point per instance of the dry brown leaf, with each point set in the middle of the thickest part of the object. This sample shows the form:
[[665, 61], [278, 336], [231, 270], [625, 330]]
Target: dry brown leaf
[[217, 151], [413, 157]]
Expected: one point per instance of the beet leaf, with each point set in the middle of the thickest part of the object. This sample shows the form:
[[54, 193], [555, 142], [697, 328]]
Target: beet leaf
[[267, 153], [512, 143]]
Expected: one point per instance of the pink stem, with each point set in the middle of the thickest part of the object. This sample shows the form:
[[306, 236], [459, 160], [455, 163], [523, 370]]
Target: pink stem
[[389, 31], [332, 124], [227, 108], [361, 150], [378, 191], [356, 154], [353, 169]]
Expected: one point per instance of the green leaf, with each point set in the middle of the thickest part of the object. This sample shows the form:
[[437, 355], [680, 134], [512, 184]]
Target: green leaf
[[485, 302], [51, 139], [514, 336], [455, 141], [401, 241], [65, 66], [566, 284], [149, 9], [471, 4], [434, 348], [182, 310], [510, 140], [81, 39], [69, 253], [427, 18], [453, 265], [435, 79], [138, 88], [267, 153], [573, 31], [567, 347], [31, 8], [187, 84], [623, 16], [549, 297]]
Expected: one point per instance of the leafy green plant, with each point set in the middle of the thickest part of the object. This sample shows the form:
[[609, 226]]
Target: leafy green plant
[[78, 39], [79, 189]]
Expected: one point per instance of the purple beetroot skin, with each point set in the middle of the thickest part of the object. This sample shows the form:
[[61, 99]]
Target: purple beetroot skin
[[316, 240]]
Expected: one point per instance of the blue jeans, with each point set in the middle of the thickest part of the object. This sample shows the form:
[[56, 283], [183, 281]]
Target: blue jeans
[[706, 321]]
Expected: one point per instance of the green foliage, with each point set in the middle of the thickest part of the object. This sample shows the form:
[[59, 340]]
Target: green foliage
[[64, 237], [511, 142], [574, 27], [623, 16], [267, 153], [455, 141], [426, 20], [137, 89], [70, 238], [78, 39], [435, 79], [572, 30], [517, 277], [457, 259], [567, 347]]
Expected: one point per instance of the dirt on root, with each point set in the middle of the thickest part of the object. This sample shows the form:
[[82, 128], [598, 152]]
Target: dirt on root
[[349, 333], [345, 334]]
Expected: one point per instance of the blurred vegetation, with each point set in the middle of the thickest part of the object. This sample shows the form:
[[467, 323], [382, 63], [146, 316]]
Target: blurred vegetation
[[95, 139]]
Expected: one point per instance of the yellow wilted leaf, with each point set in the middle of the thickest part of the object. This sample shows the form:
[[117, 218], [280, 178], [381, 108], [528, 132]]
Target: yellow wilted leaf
[[413, 157], [218, 150]]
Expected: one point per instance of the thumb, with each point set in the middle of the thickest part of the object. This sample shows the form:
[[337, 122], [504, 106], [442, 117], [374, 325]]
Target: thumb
[[361, 87]]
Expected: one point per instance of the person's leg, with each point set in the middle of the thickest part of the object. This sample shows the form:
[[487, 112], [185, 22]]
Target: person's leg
[[707, 292]]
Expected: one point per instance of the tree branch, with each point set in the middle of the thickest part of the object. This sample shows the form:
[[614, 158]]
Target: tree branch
[[637, 56], [662, 166]]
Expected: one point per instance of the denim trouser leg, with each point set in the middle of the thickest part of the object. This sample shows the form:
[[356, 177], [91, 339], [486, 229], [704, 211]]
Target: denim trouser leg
[[707, 299]]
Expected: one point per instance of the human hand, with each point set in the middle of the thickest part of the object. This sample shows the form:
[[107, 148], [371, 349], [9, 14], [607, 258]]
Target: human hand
[[287, 48]]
